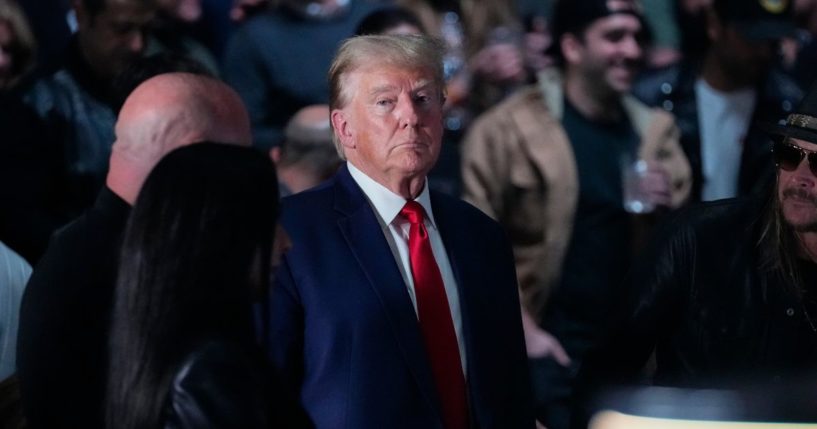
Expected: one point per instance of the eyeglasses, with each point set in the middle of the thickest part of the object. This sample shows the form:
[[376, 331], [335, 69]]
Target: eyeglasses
[[788, 156]]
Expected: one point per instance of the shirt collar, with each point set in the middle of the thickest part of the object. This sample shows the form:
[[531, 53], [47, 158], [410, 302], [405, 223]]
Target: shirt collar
[[386, 203]]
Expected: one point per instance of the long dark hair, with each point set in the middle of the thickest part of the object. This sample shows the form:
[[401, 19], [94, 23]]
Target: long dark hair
[[197, 245], [778, 244]]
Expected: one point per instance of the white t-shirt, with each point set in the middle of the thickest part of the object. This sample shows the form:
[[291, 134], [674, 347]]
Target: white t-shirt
[[724, 120]]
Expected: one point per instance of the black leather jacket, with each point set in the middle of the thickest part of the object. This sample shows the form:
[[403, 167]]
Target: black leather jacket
[[673, 89], [220, 385], [702, 300]]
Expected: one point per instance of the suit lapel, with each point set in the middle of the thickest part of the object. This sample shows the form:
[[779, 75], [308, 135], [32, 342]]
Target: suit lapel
[[460, 256], [359, 225]]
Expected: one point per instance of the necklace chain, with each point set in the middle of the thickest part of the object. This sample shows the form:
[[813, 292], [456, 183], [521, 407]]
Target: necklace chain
[[808, 319], [804, 298]]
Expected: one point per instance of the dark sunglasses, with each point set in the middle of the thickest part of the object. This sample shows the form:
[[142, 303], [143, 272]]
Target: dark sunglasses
[[789, 156]]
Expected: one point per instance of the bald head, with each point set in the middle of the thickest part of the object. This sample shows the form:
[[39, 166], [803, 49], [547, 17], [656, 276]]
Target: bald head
[[166, 112], [307, 155], [309, 127]]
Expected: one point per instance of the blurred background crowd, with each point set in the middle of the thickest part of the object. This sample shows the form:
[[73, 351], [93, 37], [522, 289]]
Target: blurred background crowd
[[66, 68], [576, 132]]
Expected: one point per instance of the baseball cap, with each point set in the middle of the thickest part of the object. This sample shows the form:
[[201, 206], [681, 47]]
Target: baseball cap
[[573, 16]]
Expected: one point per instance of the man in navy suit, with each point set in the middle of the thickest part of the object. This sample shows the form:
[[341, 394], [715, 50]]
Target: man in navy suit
[[396, 307]]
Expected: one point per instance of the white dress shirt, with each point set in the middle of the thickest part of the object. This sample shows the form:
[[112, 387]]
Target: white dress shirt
[[387, 206]]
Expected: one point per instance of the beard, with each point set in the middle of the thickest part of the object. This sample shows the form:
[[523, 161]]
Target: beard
[[800, 223]]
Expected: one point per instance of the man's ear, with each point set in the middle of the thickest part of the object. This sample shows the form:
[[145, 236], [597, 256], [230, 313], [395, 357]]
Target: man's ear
[[343, 129], [571, 48]]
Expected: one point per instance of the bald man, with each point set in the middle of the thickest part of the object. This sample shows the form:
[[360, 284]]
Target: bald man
[[308, 155], [62, 340]]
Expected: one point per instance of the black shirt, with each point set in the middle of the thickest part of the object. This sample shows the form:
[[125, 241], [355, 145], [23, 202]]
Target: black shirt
[[793, 340], [598, 253]]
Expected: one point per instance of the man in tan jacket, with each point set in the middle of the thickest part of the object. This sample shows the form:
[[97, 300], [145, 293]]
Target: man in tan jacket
[[548, 163]]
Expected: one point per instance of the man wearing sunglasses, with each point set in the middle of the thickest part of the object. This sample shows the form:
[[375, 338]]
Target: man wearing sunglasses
[[728, 294], [718, 94]]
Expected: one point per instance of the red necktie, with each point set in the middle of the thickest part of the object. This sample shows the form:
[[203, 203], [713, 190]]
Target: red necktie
[[435, 321]]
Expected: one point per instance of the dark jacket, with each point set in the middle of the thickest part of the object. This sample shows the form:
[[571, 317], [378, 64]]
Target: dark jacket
[[673, 89], [222, 385], [703, 300], [344, 332], [56, 141], [35, 195], [64, 319]]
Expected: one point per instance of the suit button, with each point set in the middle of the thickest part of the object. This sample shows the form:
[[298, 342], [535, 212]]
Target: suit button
[[666, 88], [789, 312], [668, 105]]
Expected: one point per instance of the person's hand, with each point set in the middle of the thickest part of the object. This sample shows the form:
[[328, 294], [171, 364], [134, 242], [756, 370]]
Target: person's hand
[[499, 63], [540, 426], [654, 185], [541, 344], [536, 42], [663, 56]]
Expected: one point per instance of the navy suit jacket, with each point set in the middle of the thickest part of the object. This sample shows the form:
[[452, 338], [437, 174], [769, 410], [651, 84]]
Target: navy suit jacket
[[344, 332]]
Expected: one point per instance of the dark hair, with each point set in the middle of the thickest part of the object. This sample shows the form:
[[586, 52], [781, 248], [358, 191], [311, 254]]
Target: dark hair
[[576, 16], [382, 20], [693, 27], [193, 253], [144, 68], [778, 244], [94, 7]]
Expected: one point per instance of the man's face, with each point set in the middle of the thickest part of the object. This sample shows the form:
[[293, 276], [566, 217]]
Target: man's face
[[392, 124], [610, 52], [743, 60], [115, 36], [797, 191]]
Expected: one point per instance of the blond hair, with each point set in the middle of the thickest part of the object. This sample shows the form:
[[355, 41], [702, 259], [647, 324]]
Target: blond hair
[[414, 52]]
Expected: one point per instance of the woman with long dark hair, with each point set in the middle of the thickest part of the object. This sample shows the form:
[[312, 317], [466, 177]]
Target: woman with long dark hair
[[196, 257]]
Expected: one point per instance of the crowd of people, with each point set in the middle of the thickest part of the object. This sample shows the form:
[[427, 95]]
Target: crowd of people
[[408, 214]]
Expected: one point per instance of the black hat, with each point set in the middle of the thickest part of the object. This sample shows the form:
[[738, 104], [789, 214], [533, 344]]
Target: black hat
[[758, 19], [574, 16], [802, 124]]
